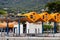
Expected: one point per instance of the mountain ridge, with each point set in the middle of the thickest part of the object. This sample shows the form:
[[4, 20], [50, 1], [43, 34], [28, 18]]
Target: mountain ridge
[[24, 4]]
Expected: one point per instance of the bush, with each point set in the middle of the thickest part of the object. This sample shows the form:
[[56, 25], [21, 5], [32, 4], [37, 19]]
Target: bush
[[47, 27]]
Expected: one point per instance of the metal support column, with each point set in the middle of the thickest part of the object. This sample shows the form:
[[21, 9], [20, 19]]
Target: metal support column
[[19, 25], [14, 30], [55, 27], [42, 27], [7, 28]]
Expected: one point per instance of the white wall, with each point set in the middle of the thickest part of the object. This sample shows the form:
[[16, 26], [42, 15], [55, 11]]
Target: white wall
[[30, 26], [17, 29], [52, 23], [58, 23], [33, 26]]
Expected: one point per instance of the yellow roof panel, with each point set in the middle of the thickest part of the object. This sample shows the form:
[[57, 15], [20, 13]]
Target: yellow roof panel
[[55, 17], [45, 16], [33, 16]]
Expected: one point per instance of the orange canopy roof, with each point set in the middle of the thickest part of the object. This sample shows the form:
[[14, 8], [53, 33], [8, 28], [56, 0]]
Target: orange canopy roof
[[59, 17], [4, 25], [55, 17], [32, 16], [44, 16], [11, 25]]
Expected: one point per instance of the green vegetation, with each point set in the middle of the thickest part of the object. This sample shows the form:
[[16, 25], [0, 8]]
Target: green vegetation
[[47, 27], [2, 12], [24, 5], [53, 6]]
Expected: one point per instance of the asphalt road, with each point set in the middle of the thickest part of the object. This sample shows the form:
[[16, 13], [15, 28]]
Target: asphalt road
[[29, 38]]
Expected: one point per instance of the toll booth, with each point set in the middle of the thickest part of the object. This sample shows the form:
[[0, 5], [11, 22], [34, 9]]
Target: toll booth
[[31, 22], [16, 28], [33, 28], [30, 25], [4, 24], [3, 28], [44, 18], [55, 18]]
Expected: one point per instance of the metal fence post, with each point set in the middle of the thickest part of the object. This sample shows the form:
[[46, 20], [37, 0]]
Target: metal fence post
[[14, 30]]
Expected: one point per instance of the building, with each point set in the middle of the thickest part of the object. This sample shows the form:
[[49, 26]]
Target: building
[[30, 23]]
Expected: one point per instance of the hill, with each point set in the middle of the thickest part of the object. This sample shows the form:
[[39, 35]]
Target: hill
[[24, 4]]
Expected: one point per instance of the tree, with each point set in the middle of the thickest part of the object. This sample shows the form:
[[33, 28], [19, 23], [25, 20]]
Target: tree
[[53, 7], [2, 12]]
